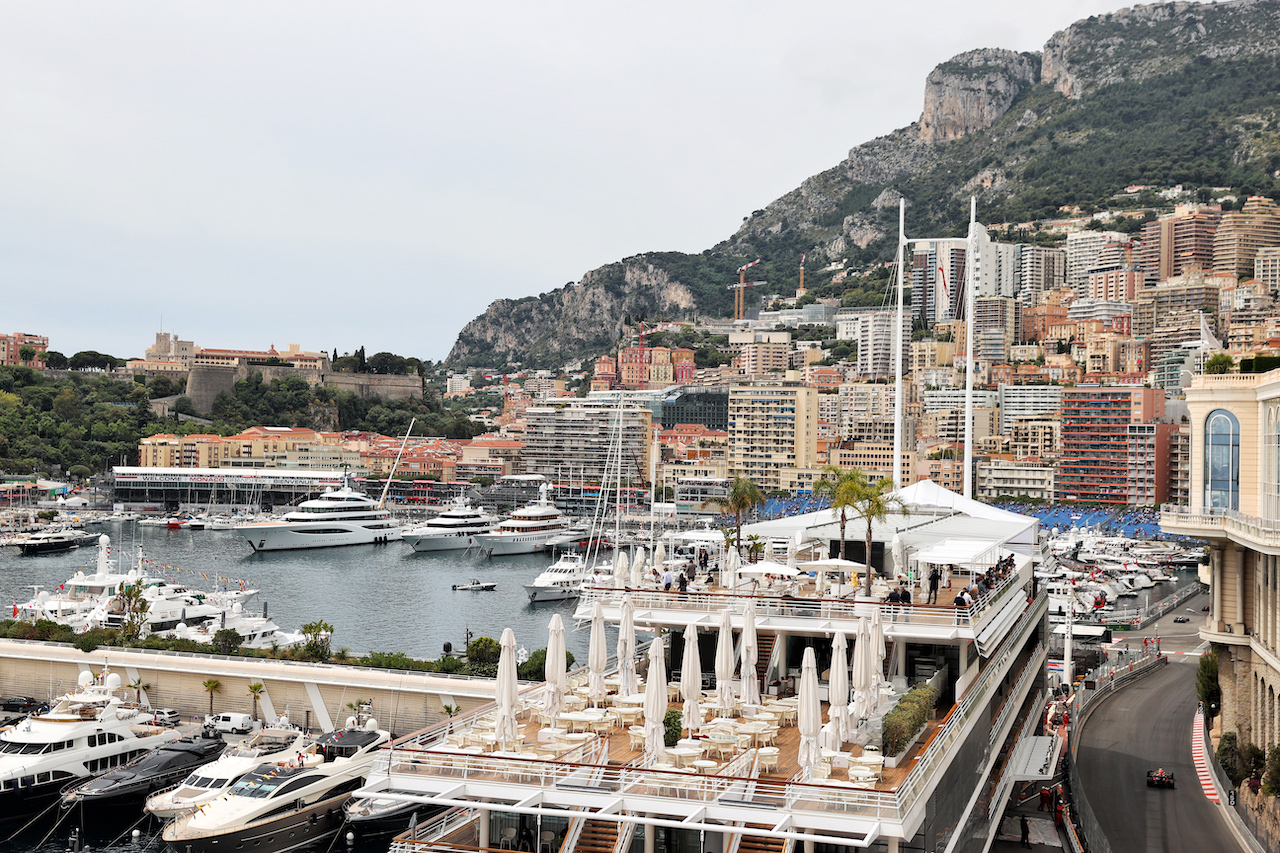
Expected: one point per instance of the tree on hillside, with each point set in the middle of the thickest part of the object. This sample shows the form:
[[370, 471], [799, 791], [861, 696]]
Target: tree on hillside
[[26, 353]]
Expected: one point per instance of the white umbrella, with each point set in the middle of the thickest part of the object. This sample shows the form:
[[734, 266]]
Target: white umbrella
[[724, 662], [809, 714], [553, 669], [750, 680], [730, 566], [637, 576], [876, 636], [629, 684], [506, 728], [597, 656], [899, 549], [861, 679], [621, 571], [838, 688], [655, 701], [691, 680], [792, 547], [659, 557]]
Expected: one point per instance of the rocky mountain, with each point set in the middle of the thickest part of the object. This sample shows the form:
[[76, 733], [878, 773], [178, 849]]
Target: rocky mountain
[[1164, 94]]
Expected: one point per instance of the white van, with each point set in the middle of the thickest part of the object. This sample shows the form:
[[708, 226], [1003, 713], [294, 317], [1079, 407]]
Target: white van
[[234, 723]]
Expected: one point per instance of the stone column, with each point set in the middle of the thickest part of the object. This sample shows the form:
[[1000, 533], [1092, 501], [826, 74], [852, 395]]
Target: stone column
[[1215, 561], [1238, 625]]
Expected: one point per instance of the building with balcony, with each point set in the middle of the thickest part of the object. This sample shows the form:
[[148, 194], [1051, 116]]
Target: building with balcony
[[1098, 447], [1234, 503], [1026, 477], [1179, 243], [773, 427], [1024, 401], [1241, 233], [581, 780], [593, 439]]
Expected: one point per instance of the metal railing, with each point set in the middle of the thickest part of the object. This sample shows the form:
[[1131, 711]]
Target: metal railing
[[972, 617]]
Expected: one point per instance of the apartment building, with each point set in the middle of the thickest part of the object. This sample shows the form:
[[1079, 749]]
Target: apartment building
[[874, 458], [1085, 250], [1120, 285], [1179, 243], [996, 327], [937, 279], [1037, 270], [1192, 292], [872, 329], [1015, 477], [1266, 267], [948, 424], [1025, 401], [11, 349], [759, 359], [773, 428], [589, 439], [1095, 464], [1037, 436], [1241, 233]]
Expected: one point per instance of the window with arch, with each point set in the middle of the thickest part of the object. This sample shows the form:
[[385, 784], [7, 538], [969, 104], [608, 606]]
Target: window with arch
[[1222, 460]]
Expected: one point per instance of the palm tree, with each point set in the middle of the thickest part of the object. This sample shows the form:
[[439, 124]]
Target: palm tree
[[211, 687], [138, 686], [255, 691], [872, 501], [842, 485], [743, 495], [1219, 362]]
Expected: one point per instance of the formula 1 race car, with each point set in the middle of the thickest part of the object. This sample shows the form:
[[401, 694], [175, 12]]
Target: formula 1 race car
[[1159, 779]]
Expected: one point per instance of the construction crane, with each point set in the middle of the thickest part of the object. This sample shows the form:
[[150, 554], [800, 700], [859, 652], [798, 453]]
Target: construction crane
[[739, 302]]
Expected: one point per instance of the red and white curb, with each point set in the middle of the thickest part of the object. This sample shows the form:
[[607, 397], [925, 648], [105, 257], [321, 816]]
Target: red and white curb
[[1201, 761]]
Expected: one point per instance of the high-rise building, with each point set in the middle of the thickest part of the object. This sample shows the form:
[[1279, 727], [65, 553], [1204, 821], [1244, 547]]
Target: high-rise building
[[1025, 401], [708, 407], [997, 326], [1178, 243], [773, 427], [937, 280], [872, 330], [1266, 267], [580, 437], [1097, 457], [1241, 233], [1085, 250], [1037, 270]]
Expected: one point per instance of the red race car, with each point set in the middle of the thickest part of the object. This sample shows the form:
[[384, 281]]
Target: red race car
[[1159, 778]]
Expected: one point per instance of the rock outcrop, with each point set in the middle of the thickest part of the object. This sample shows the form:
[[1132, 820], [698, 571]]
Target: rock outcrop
[[973, 90]]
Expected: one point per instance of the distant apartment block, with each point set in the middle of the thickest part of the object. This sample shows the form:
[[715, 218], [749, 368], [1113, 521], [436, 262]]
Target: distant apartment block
[[1099, 450], [1026, 401], [1084, 251], [1179, 243], [1241, 233], [773, 429], [1037, 270], [11, 350], [578, 438], [1002, 478]]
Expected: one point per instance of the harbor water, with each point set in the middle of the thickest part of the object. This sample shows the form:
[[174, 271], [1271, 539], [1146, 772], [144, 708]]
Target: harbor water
[[385, 598]]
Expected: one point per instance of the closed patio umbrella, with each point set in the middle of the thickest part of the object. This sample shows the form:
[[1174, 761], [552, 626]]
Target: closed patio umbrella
[[628, 682], [553, 668], [724, 662], [621, 570], [597, 656], [750, 679], [637, 574], [655, 701], [506, 728], [861, 678], [876, 636], [809, 714], [838, 688], [691, 680]]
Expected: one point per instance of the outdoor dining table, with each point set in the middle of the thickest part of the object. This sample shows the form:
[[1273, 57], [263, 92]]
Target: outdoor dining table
[[629, 699], [684, 755], [756, 730], [576, 721], [721, 744], [704, 767]]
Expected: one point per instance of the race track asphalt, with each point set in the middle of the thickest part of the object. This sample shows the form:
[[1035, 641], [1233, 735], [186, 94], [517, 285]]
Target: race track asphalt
[[1144, 726]]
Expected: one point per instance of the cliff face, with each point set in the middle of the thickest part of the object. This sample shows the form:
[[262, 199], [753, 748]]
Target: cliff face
[[994, 124], [1147, 41], [579, 318], [973, 90]]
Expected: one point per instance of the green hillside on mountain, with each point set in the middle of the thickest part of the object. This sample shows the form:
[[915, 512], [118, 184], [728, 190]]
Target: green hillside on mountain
[[1155, 95]]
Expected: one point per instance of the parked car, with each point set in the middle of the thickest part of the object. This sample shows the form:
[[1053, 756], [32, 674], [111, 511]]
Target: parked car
[[165, 717], [22, 705]]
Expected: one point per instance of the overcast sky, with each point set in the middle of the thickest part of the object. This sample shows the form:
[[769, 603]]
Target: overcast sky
[[375, 173]]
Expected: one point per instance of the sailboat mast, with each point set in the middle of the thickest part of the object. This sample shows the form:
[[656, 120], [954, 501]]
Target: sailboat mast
[[972, 252], [897, 352], [386, 487]]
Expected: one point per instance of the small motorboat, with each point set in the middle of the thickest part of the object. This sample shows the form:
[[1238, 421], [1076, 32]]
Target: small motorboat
[[477, 584]]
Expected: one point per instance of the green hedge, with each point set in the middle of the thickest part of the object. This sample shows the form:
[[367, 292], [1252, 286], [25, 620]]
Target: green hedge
[[907, 718]]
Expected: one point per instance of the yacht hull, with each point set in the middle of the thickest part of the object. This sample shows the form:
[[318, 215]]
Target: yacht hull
[[25, 803], [291, 537], [550, 593], [441, 542], [316, 822]]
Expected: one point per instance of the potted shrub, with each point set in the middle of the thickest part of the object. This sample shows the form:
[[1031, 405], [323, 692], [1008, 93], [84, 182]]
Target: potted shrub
[[904, 722], [673, 725]]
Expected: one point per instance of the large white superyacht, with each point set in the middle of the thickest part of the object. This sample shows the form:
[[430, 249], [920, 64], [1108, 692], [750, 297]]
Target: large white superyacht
[[527, 530], [454, 529], [791, 744], [83, 734], [341, 516]]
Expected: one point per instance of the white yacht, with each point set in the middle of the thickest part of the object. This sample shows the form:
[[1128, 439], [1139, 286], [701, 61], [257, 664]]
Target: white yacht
[[452, 530], [287, 803], [341, 516], [211, 781], [85, 733], [562, 579], [527, 530]]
